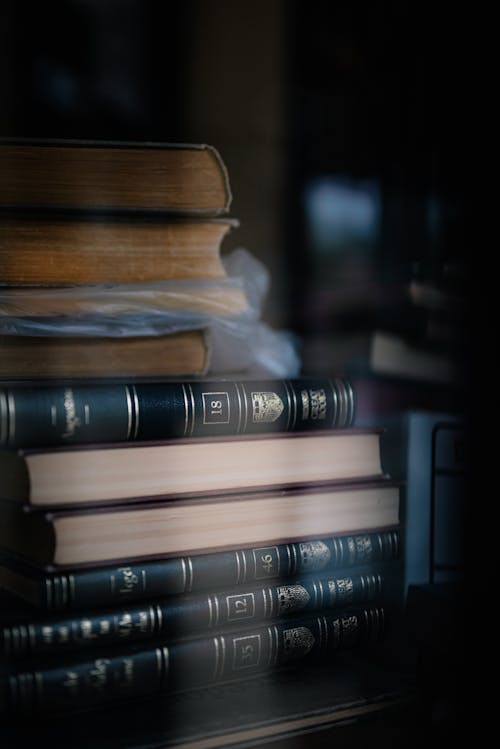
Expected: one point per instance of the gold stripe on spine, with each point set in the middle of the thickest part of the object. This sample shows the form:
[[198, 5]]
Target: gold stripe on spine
[[320, 620], [190, 574], [210, 612], [380, 545], [292, 564], [289, 413], [186, 409], [335, 551], [129, 411], [363, 589], [11, 407], [322, 592], [238, 567], [352, 403], [166, 664], [240, 406], [335, 407], [4, 435], [223, 659], [289, 387], [216, 658], [156, 616], [264, 602], [217, 610], [136, 410], [245, 409], [15, 639], [191, 396], [159, 664], [315, 589], [244, 558], [396, 544], [184, 575], [271, 602], [71, 580], [341, 403]]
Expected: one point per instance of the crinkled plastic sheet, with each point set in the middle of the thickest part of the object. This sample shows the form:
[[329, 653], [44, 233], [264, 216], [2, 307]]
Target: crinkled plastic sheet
[[229, 307]]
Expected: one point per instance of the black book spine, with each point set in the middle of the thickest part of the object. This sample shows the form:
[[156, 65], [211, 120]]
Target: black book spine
[[112, 585], [172, 666], [75, 414], [185, 614]]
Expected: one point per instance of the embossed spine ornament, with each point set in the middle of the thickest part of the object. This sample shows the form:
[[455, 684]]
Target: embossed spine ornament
[[76, 414], [169, 667]]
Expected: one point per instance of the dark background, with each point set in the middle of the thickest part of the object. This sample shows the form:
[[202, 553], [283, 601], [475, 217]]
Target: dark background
[[287, 91]]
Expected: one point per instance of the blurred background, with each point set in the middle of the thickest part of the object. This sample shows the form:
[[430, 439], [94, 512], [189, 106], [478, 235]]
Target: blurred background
[[340, 124]]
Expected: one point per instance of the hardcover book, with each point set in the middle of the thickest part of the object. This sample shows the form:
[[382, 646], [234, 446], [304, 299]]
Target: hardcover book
[[169, 666], [185, 353], [198, 466], [23, 636], [113, 176], [198, 524], [124, 583], [66, 249], [39, 415]]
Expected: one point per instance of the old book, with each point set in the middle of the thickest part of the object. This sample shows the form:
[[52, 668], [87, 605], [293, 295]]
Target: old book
[[113, 176], [114, 472], [63, 250], [130, 531], [176, 354], [25, 636], [63, 589], [172, 665], [44, 307], [40, 414]]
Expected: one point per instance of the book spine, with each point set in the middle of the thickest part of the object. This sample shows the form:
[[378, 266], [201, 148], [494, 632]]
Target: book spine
[[79, 684], [114, 585], [77, 414], [182, 615]]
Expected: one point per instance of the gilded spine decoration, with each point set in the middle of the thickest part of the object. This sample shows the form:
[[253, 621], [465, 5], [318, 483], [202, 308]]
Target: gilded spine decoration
[[76, 414]]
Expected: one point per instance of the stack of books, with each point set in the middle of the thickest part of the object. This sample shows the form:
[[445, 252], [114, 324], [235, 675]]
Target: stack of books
[[152, 566], [111, 258], [159, 533]]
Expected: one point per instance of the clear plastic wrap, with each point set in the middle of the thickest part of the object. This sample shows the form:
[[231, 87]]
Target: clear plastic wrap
[[229, 307]]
